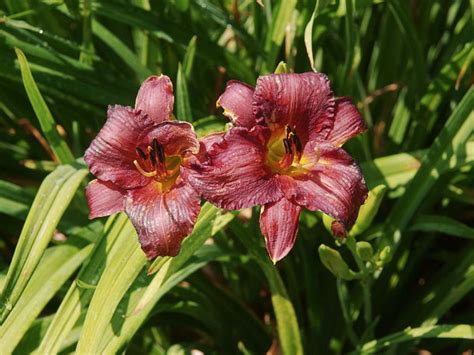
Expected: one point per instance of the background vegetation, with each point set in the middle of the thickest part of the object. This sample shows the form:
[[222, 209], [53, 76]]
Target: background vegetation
[[402, 282]]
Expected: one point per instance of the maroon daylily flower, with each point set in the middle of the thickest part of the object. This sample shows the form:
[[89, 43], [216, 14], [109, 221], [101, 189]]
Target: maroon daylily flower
[[284, 154], [140, 159]]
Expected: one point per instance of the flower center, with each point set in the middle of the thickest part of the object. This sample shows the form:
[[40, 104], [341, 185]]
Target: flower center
[[284, 151], [153, 163]]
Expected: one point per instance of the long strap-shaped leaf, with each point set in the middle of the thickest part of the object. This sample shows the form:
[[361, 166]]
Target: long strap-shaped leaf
[[54, 195], [443, 154], [115, 237], [142, 303], [455, 331], [48, 126], [127, 262], [287, 323], [56, 267], [449, 150], [165, 279]]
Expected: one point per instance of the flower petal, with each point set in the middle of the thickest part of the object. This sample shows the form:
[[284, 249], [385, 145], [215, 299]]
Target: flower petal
[[347, 124], [162, 221], [110, 155], [104, 198], [176, 137], [304, 101], [236, 102], [205, 145], [155, 98], [235, 175], [279, 225], [332, 184]]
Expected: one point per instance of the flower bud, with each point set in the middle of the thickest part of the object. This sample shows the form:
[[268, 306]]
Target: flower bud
[[364, 250], [368, 210], [385, 255], [334, 262]]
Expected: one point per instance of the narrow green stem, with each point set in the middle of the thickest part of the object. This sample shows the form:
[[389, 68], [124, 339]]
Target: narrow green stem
[[366, 282], [342, 294], [367, 302], [87, 45]]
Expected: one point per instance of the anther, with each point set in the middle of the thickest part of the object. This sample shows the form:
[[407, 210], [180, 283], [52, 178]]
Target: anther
[[297, 143], [287, 145], [159, 151], [141, 153], [153, 157], [155, 144]]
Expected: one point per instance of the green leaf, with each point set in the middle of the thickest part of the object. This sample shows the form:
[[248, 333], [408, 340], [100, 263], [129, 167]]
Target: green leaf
[[52, 199], [308, 32], [454, 331], [188, 60], [210, 124], [113, 284], [55, 268], [14, 200], [443, 155], [181, 5], [277, 32], [170, 272], [182, 97], [115, 237], [442, 224], [48, 125], [287, 323], [127, 55]]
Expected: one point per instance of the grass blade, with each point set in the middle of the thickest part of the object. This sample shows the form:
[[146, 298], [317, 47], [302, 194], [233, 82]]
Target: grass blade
[[308, 32], [189, 56], [55, 268], [166, 277], [113, 284], [60, 149], [451, 142], [182, 97], [276, 35], [442, 224], [121, 49], [287, 324], [455, 331], [116, 236], [51, 201]]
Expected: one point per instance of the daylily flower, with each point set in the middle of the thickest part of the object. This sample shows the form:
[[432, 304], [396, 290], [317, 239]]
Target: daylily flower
[[284, 153], [140, 159]]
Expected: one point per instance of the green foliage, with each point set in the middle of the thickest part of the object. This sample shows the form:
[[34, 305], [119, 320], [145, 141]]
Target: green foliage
[[402, 279]]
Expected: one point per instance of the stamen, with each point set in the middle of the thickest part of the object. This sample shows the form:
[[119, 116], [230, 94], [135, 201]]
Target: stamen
[[141, 153], [155, 144], [287, 145], [160, 150], [142, 171], [153, 157], [297, 143]]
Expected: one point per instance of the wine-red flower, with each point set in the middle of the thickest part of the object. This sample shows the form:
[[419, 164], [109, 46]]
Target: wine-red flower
[[284, 153], [140, 159]]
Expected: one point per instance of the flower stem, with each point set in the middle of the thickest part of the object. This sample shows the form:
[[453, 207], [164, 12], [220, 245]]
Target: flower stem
[[366, 282], [343, 300]]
